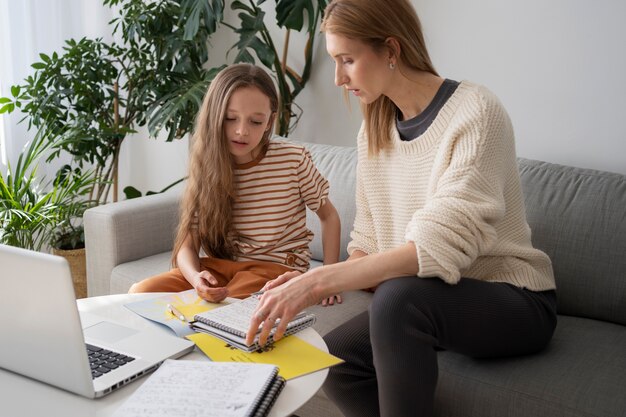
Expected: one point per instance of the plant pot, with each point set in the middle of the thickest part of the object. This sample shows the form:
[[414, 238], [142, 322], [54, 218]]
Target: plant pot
[[76, 259]]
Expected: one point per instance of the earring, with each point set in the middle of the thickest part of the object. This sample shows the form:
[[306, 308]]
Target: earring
[[392, 66]]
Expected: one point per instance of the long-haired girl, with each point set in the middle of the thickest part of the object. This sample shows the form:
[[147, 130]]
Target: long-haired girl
[[244, 204]]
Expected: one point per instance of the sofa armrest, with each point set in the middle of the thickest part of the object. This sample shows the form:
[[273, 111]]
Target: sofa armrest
[[125, 231]]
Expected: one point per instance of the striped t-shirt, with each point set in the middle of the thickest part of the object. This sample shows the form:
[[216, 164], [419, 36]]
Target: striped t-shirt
[[269, 214]]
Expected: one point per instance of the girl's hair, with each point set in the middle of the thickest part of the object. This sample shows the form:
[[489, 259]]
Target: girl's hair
[[210, 191], [373, 22]]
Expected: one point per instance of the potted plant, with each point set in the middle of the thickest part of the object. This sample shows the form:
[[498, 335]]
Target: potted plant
[[36, 214], [97, 93]]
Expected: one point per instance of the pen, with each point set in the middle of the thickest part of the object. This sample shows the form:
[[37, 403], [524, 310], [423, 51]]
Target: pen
[[180, 316]]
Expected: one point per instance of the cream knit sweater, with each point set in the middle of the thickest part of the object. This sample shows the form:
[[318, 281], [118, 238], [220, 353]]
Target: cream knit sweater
[[455, 192]]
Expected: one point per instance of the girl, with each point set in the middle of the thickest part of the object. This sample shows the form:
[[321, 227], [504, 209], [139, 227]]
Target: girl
[[244, 204], [440, 225]]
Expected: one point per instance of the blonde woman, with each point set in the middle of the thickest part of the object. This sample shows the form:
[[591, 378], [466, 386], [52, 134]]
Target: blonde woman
[[244, 204], [440, 225]]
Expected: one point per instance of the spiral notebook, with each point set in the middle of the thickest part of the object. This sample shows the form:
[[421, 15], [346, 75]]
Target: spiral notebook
[[230, 323], [206, 389]]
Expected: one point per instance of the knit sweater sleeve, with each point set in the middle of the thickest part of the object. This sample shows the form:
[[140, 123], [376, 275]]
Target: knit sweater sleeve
[[363, 232], [458, 222]]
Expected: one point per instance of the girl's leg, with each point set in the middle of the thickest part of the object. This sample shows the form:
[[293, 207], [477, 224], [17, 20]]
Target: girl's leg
[[171, 281], [251, 276], [174, 281], [411, 317]]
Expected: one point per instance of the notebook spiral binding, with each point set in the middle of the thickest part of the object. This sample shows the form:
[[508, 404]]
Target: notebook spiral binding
[[269, 396]]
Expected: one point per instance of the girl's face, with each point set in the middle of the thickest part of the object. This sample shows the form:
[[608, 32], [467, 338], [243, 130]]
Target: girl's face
[[359, 68], [248, 117]]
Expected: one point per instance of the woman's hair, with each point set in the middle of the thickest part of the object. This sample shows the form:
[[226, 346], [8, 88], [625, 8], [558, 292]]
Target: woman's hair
[[209, 195], [373, 22]]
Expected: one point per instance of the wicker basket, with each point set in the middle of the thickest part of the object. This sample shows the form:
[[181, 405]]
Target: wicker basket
[[76, 259]]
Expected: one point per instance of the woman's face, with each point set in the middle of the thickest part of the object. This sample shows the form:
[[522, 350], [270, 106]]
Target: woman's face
[[359, 68], [248, 117]]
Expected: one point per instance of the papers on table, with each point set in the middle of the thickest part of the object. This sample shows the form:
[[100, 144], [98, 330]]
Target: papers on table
[[205, 389]]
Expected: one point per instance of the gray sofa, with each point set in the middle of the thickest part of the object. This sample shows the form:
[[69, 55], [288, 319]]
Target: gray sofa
[[577, 216]]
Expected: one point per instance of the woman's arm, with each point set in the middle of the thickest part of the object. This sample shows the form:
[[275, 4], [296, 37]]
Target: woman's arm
[[365, 271], [361, 271]]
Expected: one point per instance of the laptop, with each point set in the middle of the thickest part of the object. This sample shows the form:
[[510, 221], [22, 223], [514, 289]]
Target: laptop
[[45, 338]]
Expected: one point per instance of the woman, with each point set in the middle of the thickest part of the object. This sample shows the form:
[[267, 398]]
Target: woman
[[440, 228]]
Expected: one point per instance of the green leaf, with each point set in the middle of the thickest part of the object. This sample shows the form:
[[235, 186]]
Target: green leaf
[[250, 27], [4, 100], [265, 53], [7, 108], [15, 90], [290, 13], [131, 192], [38, 65], [238, 5], [201, 11], [172, 105]]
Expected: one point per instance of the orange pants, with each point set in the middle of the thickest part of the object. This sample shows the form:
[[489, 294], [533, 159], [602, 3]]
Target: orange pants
[[241, 278]]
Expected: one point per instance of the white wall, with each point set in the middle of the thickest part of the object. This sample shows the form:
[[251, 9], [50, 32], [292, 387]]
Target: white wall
[[150, 164]]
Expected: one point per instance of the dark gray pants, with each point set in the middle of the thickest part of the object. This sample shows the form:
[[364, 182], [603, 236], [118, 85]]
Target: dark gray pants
[[390, 352]]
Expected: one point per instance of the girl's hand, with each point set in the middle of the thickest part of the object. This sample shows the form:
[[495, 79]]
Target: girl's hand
[[332, 300], [203, 282], [280, 280]]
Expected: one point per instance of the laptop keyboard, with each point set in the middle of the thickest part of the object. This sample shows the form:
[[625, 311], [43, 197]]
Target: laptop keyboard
[[103, 361]]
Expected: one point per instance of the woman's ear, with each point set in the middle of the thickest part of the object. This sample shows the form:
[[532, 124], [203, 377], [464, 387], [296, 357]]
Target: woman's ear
[[394, 48]]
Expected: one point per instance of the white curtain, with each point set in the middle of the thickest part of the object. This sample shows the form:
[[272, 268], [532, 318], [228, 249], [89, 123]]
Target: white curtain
[[31, 27]]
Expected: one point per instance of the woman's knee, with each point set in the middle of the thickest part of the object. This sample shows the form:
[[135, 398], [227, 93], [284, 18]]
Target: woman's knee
[[350, 338], [402, 303], [393, 298]]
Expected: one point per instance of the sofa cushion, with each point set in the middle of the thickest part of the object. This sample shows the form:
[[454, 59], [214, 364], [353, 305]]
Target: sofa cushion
[[126, 274], [578, 217], [338, 165], [580, 373]]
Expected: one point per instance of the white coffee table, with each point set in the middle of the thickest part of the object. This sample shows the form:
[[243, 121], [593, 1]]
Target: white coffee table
[[23, 397]]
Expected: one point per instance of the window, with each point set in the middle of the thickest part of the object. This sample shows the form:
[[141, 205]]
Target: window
[[3, 149]]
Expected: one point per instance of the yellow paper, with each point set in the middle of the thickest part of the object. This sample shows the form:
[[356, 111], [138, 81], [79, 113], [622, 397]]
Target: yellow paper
[[293, 356]]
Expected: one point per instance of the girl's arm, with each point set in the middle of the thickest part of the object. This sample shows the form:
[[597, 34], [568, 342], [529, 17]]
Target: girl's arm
[[331, 232], [188, 263], [187, 258], [331, 238]]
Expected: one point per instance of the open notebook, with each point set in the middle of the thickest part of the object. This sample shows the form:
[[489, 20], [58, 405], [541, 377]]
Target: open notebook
[[230, 323], [206, 389]]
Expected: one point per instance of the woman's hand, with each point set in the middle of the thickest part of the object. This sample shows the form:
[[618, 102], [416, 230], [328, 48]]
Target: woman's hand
[[283, 302], [280, 280], [202, 282]]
